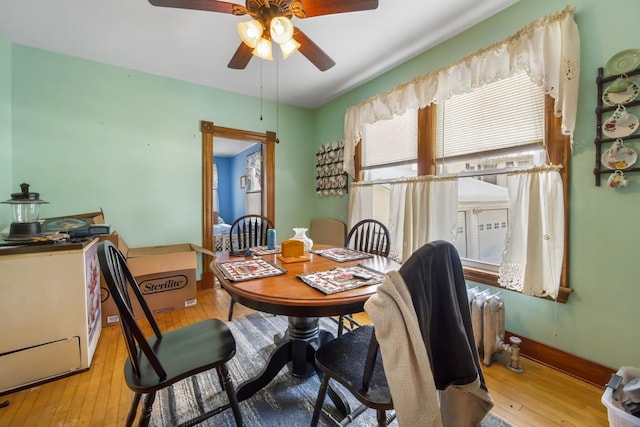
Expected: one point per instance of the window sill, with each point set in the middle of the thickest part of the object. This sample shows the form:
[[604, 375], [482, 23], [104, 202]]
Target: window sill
[[490, 278]]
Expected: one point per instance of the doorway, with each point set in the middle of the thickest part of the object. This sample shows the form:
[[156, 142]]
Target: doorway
[[209, 133], [237, 184]]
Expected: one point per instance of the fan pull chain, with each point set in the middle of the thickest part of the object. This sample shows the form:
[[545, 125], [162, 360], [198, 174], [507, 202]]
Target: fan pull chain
[[260, 89], [277, 99]]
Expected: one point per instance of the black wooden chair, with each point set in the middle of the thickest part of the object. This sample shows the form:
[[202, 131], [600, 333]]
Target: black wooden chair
[[434, 278], [246, 232], [166, 357], [370, 236]]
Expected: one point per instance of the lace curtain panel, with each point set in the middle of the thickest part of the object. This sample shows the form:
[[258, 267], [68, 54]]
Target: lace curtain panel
[[424, 209], [413, 221], [532, 260], [547, 50]]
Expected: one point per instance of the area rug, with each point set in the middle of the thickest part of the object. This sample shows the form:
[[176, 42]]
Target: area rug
[[286, 401]]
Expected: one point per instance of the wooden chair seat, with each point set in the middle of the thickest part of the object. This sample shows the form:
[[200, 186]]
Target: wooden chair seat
[[182, 353]]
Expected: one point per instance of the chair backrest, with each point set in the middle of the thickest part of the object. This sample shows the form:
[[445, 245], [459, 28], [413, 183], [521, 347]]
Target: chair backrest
[[120, 282], [250, 231], [371, 236], [328, 231]]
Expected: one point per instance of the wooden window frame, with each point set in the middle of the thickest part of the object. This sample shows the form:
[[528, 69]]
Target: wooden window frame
[[559, 151]]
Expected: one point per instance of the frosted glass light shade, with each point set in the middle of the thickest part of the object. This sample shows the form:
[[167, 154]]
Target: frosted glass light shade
[[281, 29], [263, 49], [289, 47], [250, 32]]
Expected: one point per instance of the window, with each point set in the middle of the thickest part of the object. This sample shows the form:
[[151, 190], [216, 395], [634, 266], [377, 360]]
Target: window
[[378, 161], [483, 134], [478, 136]]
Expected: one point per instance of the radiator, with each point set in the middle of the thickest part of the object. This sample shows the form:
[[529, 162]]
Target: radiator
[[487, 318]]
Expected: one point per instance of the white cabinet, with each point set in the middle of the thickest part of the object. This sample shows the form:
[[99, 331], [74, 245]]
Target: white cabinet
[[49, 312]]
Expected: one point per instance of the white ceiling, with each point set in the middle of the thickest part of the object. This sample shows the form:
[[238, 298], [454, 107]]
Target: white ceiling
[[223, 147], [196, 46]]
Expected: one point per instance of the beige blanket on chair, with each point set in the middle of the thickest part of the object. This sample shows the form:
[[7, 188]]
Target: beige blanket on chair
[[407, 367]]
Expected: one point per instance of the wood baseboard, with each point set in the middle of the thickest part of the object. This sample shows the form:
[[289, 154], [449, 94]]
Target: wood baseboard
[[567, 363]]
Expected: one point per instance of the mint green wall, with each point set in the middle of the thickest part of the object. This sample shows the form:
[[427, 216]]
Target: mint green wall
[[5, 129], [600, 321], [90, 136]]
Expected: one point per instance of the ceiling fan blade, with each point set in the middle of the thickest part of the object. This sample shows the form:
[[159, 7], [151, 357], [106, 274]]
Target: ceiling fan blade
[[241, 58], [312, 51], [329, 7], [208, 5]]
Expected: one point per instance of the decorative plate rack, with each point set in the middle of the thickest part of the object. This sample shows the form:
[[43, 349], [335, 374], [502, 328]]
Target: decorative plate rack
[[331, 179], [615, 153]]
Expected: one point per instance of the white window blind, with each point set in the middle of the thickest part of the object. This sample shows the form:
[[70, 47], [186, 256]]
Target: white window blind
[[507, 113], [391, 141]]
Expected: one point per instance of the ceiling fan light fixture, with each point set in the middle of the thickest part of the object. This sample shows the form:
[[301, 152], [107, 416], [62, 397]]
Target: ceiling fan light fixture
[[289, 47], [250, 32], [281, 29], [263, 49]]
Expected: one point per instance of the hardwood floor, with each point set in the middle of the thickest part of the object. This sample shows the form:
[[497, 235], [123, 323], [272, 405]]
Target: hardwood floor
[[540, 396]]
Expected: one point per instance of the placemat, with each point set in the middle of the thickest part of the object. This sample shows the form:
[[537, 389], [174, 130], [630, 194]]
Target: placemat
[[342, 254], [340, 279], [249, 269], [264, 250]]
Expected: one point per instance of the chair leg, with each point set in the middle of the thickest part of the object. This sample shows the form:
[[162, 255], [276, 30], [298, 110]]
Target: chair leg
[[352, 323], [227, 385], [322, 393], [231, 309], [134, 408], [220, 379], [340, 325], [382, 418], [145, 415]]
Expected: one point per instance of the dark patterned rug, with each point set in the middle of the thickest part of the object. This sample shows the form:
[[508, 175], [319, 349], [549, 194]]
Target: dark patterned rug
[[286, 401]]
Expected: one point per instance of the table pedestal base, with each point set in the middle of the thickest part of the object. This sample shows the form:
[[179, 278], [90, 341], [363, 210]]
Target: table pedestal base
[[297, 349]]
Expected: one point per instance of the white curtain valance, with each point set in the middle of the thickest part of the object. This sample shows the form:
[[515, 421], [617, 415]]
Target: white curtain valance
[[548, 50]]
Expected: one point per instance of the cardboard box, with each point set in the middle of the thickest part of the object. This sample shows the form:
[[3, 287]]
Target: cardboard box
[[91, 217], [166, 275], [110, 314]]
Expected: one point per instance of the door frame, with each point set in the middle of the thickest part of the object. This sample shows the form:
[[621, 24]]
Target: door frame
[[209, 133]]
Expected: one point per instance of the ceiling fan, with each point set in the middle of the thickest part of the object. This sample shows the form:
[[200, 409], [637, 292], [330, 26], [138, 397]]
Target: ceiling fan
[[272, 22]]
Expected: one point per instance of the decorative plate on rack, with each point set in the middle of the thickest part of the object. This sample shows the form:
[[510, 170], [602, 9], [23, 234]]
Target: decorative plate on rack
[[613, 127], [623, 62], [617, 98], [619, 158]]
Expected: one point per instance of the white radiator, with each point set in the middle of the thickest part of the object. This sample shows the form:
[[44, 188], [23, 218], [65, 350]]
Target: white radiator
[[487, 317]]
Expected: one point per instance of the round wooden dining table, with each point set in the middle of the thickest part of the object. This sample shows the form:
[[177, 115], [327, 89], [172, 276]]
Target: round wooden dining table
[[286, 294]]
